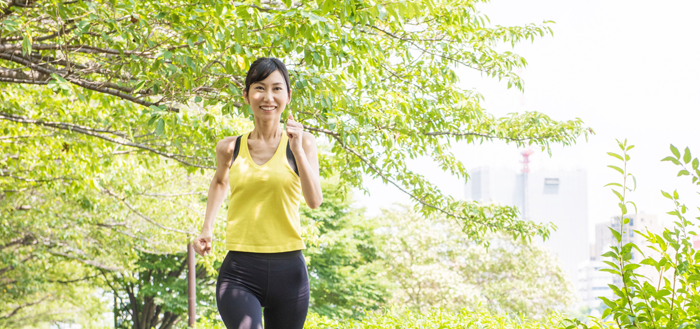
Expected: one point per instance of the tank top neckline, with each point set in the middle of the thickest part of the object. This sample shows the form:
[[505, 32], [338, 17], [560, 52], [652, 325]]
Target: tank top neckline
[[244, 143]]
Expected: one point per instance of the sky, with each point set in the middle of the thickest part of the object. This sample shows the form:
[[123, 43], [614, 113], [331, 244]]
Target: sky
[[628, 69]]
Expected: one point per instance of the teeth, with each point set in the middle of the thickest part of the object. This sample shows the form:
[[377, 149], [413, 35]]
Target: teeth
[[268, 108]]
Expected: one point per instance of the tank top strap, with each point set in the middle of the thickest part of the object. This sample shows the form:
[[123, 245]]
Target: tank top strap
[[244, 145]]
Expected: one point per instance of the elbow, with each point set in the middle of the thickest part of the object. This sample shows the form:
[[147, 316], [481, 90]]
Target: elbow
[[313, 204]]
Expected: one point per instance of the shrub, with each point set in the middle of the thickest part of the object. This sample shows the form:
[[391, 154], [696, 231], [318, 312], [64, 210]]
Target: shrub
[[672, 301]]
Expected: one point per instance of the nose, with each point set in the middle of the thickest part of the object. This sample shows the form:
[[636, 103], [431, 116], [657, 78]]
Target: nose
[[267, 96]]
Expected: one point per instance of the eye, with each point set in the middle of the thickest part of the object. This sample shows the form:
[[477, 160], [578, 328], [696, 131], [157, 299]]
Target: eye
[[259, 87], [278, 88]]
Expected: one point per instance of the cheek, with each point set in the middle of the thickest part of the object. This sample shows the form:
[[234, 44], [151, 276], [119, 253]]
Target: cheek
[[255, 97], [282, 99]]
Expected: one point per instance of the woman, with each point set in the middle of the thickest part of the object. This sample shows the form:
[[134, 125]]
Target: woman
[[264, 266]]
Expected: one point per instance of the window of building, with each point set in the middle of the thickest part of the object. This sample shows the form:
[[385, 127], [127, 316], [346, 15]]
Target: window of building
[[551, 185]]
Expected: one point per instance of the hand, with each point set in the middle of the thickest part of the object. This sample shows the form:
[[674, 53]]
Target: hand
[[295, 131], [202, 244]]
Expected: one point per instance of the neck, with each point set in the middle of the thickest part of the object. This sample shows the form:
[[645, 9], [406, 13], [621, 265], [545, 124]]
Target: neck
[[266, 130]]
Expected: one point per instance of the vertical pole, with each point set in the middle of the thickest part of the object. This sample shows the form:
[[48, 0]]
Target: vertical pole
[[116, 311], [191, 287]]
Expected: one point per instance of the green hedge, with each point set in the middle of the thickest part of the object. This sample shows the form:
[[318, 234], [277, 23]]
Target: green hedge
[[434, 319]]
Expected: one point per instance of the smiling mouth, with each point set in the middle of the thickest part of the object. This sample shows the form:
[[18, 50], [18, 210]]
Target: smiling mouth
[[268, 108]]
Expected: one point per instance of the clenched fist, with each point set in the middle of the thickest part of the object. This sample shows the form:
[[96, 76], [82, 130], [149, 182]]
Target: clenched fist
[[295, 131], [202, 244]]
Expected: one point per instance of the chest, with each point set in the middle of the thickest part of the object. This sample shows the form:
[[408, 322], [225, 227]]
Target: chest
[[261, 152]]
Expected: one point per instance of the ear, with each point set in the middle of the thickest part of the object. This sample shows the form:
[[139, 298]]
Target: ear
[[289, 99], [245, 96]]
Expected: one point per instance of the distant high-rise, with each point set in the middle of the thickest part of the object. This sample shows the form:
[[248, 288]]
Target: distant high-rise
[[592, 283], [559, 197]]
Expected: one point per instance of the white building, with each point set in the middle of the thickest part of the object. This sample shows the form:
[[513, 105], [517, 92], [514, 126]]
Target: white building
[[593, 284], [559, 197]]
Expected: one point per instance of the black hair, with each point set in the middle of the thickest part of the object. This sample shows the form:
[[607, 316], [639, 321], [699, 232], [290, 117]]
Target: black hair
[[262, 68]]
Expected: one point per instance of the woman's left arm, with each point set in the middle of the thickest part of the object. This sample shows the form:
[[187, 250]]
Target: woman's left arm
[[306, 156]]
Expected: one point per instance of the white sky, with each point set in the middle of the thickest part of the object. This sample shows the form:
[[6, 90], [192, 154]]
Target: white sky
[[628, 69]]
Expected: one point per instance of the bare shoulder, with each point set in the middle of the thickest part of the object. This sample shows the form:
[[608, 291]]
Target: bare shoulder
[[309, 139], [226, 145]]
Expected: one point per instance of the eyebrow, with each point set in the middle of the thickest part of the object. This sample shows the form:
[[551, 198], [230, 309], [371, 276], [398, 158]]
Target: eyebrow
[[274, 84]]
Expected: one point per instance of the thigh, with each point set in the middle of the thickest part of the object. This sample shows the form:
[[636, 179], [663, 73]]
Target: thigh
[[240, 309], [287, 302], [238, 294]]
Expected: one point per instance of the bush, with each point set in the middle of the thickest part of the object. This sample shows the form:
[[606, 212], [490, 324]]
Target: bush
[[437, 318], [673, 300]]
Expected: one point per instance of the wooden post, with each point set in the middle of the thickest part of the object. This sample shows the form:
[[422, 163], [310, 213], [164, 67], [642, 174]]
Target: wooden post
[[191, 286]]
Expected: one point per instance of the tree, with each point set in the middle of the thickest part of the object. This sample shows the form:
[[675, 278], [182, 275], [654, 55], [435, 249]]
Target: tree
[[376, 79], [155, 294], [433, 264], [110, 108], [346, 272]]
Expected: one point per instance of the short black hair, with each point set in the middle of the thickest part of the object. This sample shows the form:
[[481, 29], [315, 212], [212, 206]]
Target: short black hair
[[262, 68]]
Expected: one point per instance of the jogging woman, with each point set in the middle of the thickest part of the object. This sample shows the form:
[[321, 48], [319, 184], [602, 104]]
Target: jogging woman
[[268, 170]]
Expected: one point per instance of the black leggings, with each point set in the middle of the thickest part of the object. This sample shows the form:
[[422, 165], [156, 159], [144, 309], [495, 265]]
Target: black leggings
[[278, 282]]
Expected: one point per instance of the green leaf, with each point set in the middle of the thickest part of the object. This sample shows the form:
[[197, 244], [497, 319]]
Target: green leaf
[[695, 163], [675, 152], [615, 155], [683, 173], [615, 234], [619, 196], [618, 169], [631, 267], [138, 86], [612, 184], [686, 155], [609, 270], [160, 127], [669, 158], [623, 207]]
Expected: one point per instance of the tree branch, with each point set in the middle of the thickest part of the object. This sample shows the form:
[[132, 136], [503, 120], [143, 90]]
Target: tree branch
[[14, 312], [96, 133], [449, 133], [99, 87], [123, 200], [413, 196], [87, 262]]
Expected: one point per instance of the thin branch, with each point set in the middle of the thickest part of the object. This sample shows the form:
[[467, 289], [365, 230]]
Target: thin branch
[[449, 133], [91, 85], [74, 280], [95, 133], [87, 262], [123, 200], [14, 312], [413, 196]]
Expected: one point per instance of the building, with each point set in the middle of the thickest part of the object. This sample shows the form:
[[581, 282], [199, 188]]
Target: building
[[559, 197], [592, 283], [639, 222]]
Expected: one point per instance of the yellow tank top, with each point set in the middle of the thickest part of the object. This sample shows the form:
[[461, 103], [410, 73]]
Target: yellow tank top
[[263, 211]]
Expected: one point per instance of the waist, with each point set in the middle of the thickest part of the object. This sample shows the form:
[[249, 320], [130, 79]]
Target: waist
[[268, 255]]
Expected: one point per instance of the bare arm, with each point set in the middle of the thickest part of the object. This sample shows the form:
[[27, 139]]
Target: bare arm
[[303, 145], [217, 193], [307, 163]]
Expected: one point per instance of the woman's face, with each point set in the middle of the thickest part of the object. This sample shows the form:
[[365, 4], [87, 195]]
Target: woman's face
[[268, 97]]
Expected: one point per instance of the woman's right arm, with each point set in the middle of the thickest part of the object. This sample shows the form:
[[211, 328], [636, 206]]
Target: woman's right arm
[[216, 195]]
